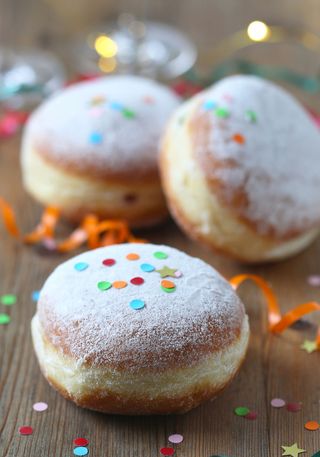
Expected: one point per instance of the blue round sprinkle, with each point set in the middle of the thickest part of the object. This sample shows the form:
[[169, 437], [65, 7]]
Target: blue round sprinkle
[[209, 104], [137, 304], [35, 295], [95, 138], [80, 451], [80, 266], [147, 267], [116, 106]]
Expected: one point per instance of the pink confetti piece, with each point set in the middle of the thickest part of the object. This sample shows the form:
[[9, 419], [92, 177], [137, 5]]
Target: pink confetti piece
[[40, 406], [178, 274], [278, 403], [175, 439], [251, 416]]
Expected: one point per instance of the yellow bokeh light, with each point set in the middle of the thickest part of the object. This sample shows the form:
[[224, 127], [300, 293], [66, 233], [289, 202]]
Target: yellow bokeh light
[[258, 31], [107, 65], [105, 46]]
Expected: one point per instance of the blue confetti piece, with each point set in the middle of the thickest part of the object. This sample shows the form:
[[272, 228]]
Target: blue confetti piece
[[96, 138], [209, 104], [81, 450], [35, 295], [80, 266], [137, 304], [116, 106], [146, 267]]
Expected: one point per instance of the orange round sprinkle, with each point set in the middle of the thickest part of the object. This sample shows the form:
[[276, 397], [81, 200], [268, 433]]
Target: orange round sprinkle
[[119, 284], [168, 284], [238, 138], [311, 425], [133, 256]]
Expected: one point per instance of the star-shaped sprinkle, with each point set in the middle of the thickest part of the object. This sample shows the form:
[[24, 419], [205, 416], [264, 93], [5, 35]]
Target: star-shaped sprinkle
[[166, 271], [309, 346], [292, 450]]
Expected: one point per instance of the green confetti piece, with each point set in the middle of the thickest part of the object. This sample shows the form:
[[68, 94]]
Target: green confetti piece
[[4, 319], [128, 113], [251, 116], [166, 289], [8, 299], [222, 112], [104, 285], [241, 411], [160, 255]]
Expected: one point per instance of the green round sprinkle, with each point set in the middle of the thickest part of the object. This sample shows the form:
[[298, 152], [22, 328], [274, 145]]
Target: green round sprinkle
[[241, 411], [251, 116], [222, 112], [160, 255], [128, 113], [4, 319], [8, 299], [104, 285], [166, 289]]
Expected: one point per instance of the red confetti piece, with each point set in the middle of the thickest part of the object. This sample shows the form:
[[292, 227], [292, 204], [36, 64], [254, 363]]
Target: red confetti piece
[[80, 442], [137, 281], [251, 416], [109, 262], [25, 430], [294, 407], [167, 451]]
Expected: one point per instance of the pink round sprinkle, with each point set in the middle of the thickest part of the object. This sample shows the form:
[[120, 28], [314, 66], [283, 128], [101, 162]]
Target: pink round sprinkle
[[178, 274], [294, 407], [251, 416], [40, 406], [278, 403], [175, 439], [49, 244], [25, 430], [314, 280]]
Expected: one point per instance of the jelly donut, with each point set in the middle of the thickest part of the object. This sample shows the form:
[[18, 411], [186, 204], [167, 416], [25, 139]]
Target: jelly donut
[[139, 329], [93, 147], [240, 167]]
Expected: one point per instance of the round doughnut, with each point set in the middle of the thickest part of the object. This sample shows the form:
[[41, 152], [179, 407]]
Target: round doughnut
[[139, 329], [93, 147], [240, 167]]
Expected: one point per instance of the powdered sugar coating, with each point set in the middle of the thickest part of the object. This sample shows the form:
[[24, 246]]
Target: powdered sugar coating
[[276, 170], [85, 125], [174, 329]]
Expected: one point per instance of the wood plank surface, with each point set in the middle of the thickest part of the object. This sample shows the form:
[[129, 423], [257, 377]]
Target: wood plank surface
[[275, 365]]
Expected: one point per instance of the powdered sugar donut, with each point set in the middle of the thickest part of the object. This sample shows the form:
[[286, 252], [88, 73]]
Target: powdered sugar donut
[[139, 329], [93, 148], [246, 178]]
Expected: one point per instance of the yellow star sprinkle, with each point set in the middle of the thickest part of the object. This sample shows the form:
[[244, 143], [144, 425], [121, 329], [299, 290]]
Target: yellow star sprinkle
[[292, 450], [309, 346], [166, 271]]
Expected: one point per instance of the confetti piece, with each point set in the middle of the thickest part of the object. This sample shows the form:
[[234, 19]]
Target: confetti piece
[[4, 319], [137, 304], [108, 262], [222, 112], [251, 416], [25, 430], [292, 451], [175, 439], [166, 271], [35, 295], [314, 280], [8, 299], [167, 284], [241, 411], [133, 256], [251, 116], [40, 406], [209, 105], [311, 425], [146, 267], [128, 113], [81, 266], [178, 274], [137, 281], [80, 451], [95, 138], [116, 106], [160, 255], [98, 100], [294, 407], [167, 451], [80, 442], [278, 403], [119, 284], [238, 138], [104, 285], [309, 346], [168, 290]]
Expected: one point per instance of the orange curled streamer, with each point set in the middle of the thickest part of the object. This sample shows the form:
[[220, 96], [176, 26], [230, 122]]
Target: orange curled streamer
[[9, 218], [277, 322]]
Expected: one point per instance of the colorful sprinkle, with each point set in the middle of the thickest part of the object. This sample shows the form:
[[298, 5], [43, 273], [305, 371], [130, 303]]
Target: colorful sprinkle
[[80, 442], [167, 451], [312, 425], [35, 295], [40, 406], [175, 439], [25, 430], [314, 280], [119, 284], [292, 450], [116, 106], [238, 138], [128, 113], [108, 262], [104, 285], [160, 255], [80, 451], [98, 100], [146, 267], [241, 411], [222, 112], [168, 290], [137, 281], [4, 319], [8, 299], [133, 256], [278, 403], [294, 407], [167, 284], [309, 346], [137, 304], [251, 116], [178, 274], [166, 271], [80, 266], [95, 138], [251, 416], [209, 105]]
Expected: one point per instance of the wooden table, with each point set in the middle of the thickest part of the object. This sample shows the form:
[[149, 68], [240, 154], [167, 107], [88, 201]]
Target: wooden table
[[275, 365]]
